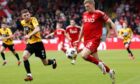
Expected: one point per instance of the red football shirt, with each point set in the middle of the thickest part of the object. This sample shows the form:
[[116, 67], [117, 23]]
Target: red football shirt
[[60, 34], [93, 24], [73, 32]]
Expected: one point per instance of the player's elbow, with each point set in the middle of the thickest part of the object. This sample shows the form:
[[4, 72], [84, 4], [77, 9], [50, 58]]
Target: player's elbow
[[37, 29]]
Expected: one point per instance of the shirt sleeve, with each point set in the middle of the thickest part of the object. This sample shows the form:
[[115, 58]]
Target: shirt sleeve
[[34, 22], [104, 16], [10, 32]]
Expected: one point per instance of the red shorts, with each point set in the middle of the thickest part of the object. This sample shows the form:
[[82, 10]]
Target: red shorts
[[92, 44]]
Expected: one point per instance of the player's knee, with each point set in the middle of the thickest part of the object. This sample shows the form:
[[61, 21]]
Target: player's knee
[[44, 62], [126, 46], [83, 55], [25, 58]]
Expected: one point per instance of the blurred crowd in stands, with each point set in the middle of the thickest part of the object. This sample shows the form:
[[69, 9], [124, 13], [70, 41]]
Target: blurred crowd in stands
[[49, 12]]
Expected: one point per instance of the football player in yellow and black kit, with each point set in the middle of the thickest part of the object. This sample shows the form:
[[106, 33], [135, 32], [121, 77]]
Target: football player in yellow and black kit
[[34, 43], [126, 35], [7, 42]]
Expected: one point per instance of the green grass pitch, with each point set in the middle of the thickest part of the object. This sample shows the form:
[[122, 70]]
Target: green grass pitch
[[127, 71]]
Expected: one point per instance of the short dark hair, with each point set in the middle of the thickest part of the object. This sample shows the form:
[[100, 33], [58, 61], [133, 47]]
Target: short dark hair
[[24, 11]]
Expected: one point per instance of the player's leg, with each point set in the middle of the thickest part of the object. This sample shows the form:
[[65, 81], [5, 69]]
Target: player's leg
[[26, 55], [108, 70], [12, 49], [49, 62], [40, 52], [97, 57], [3, 55], [75, 57], [129, 51], [86, 55], [63, 45]]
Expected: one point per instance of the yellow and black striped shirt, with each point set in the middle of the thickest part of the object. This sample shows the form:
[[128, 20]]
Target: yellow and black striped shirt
[[5, 32], [29, 27], [126, 33]]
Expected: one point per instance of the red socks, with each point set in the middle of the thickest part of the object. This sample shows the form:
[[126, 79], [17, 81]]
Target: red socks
[[92, 59], [107, 68], [95, 61]]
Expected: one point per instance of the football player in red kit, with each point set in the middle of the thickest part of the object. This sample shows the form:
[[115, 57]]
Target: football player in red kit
[[73, 31], [60, 33], [91, 30]]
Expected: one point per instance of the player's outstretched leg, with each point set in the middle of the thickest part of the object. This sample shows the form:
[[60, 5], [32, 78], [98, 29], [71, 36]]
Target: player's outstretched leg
[[50, 62], [111, 73], [100, 64]]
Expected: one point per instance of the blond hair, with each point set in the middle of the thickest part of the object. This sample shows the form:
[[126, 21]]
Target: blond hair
[[89, 1]]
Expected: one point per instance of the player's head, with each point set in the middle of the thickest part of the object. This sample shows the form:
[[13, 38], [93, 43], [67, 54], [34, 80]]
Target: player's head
[[4, 25], [124, 24], [72, 22], [89, 5], [59, 25], [25, 14]]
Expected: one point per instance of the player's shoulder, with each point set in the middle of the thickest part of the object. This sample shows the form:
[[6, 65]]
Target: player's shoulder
[[33, 18], [69, 27], [129, 29], [8, 29], [99, 12], [61, 29], [78, 26], [22, 22], [85, 13]]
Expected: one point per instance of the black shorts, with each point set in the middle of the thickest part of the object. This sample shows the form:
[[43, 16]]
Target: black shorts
[[10, 47], [127, 43], [37, 48]]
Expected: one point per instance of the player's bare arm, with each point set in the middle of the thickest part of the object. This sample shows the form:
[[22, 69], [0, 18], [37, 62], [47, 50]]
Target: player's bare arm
[[37, 29], [67, 36], [81, 34], [51, 34], [110, 22], [11, 36]]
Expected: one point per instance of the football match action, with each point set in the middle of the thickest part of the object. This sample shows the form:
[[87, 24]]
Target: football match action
[[69, 41]]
